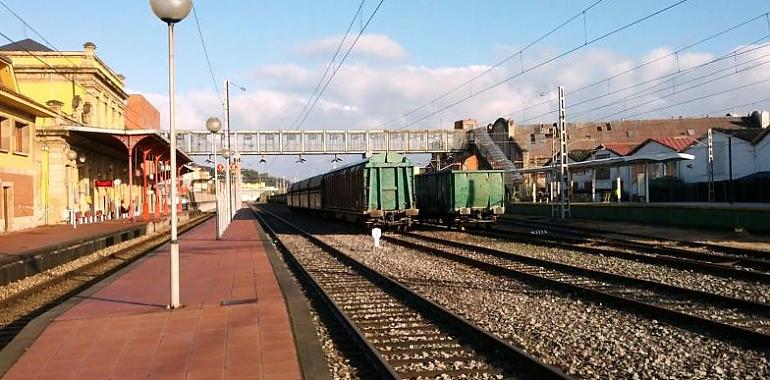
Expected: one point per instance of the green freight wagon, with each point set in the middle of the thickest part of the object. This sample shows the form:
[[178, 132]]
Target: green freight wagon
[[460, 197], [378, 191]]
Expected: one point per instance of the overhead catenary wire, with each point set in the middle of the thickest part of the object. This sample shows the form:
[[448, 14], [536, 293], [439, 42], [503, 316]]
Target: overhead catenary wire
[[206, 54], [685, 89], [55, 70], [672, 78], [647, 63], [342, 61], [547, 61], [519, 53], [735, 106], [721, 92], [328, 66], [50, 45], [676, 75]]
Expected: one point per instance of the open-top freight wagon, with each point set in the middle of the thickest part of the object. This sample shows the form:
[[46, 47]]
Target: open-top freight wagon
[[378, 192], [461, 197]]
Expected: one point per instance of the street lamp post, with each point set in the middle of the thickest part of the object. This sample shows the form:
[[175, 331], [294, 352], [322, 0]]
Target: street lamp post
[[232, 205], [214, 125], [72, 158], [228, 205], [171, 12]]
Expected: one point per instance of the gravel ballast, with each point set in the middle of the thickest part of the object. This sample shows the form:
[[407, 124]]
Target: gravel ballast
[[585, 339]]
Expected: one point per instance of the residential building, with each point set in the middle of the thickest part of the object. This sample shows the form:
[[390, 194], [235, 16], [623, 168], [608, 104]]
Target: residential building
[[24, 188]]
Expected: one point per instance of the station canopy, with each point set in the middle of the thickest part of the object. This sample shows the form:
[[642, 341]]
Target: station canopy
[[634, 159]]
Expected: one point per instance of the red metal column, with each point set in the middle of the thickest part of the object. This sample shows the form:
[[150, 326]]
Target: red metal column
[[166, 188], [179, 187], [145, 173], [157, 189], [130, 185]]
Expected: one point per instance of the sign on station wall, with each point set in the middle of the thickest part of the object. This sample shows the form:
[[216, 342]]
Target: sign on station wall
[[103, 183]]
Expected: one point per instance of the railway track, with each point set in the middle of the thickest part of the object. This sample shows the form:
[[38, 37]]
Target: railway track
[[402, 334], [25, 305], [740, 258], [742, 321], [749, 269], [623, 237]]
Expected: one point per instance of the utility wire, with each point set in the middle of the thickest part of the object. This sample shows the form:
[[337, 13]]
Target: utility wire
[[55, 70], [722, 92], [547, 61], [366, 24], [206, 54], [328, 66], [734, 71], [51, 45], [642, 65], [733, 107], [684, 90], [672, 78], [520, 52]]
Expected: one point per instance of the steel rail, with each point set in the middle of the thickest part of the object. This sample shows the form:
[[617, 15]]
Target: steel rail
[[724, 270], [761, 258], [495, 346], [379, 365], [694, 323]]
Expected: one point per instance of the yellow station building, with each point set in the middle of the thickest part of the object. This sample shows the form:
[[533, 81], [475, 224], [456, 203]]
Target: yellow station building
[[97, 147], [22, 171]]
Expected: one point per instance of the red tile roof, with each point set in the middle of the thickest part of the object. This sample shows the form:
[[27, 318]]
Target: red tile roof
[[678, 143], [536, 139], [621, 149]]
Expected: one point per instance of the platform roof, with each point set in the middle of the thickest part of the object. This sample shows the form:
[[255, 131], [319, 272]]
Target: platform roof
[[636, 159]]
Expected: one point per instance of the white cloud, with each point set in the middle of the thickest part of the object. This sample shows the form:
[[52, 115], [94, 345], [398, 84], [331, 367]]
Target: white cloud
[[365, 95], [377, 46]]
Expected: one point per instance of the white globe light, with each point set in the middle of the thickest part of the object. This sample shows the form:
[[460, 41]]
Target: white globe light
[[72, 155], [117, 182], [171, 11], [213, 125]]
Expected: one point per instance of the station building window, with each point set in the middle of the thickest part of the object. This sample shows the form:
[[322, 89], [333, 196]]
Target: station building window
[[602, 173], [5, 134], [21, 134]]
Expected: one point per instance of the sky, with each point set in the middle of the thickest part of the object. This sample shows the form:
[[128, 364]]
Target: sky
[[414, 51]]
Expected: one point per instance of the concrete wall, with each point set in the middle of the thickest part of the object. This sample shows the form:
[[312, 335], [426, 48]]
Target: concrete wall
[[762, 153], [746, 160], [140, 114], [19, 174]]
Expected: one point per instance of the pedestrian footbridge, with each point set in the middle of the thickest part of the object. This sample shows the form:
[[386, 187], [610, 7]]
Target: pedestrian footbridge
[[309, 142]]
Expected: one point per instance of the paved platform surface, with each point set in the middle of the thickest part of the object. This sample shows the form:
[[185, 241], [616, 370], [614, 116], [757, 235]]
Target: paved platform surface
[[125, 332], [50, 236]]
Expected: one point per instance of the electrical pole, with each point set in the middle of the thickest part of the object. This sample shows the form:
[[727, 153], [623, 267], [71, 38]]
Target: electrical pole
[[563, 185], [228, 184], [711, 164]]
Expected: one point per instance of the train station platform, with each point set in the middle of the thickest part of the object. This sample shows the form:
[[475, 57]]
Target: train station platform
[[234, 323], [28, 252]]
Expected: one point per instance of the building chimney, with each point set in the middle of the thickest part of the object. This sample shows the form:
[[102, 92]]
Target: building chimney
[[511, 129], [524, 158], [55, 105], [466, 124], [89, 48]]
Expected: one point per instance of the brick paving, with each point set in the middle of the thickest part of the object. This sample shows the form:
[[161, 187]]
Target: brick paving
[[49, 236], [124, 331]]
